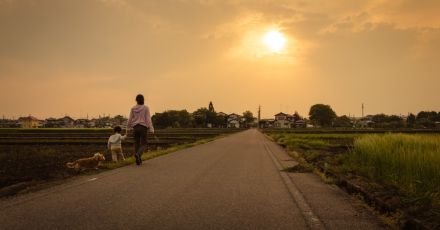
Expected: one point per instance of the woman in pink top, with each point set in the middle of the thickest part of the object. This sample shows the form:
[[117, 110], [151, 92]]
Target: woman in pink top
[[140, 121]]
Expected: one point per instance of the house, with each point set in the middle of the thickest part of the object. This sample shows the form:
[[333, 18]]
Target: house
[[81, 123], [118, 121], [103, 122], [267, 123], [29, 122], [283, 121], [8, 123], [234, 120], [51, 123], [300, 124], [67, 122], [364, 122]]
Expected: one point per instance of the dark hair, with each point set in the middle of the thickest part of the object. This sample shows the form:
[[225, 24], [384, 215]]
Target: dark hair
[[140, 99], [117, 129]]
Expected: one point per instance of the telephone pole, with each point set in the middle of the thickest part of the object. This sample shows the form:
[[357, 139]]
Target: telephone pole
[[362, 109], [259, 115]]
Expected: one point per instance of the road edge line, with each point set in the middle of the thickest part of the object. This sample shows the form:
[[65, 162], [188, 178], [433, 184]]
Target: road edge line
[[310, 217]]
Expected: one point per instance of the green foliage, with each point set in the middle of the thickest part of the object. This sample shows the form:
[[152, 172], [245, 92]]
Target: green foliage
[[410, 162], [426, 119], [342, 121], [386, 121], [322, 115], [204, 116], [411, 120], [295, 141], [296, 116], [248, 118], [211, 107], [200, 117], [172, 119]]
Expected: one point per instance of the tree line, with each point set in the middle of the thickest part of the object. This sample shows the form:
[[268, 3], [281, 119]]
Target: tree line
[[201, 118], [324, 116]]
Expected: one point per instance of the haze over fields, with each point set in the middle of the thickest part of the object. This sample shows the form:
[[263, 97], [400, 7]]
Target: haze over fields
[[81, 57]]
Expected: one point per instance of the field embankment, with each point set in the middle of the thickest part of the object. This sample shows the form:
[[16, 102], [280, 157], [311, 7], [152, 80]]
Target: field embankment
[[399, 171]]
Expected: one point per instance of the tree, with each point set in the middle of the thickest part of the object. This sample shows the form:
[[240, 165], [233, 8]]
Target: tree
[[395, 121], [172, 119], [200, 117], [342, 121], [411, 120], [387, 122], [220, 121], [119, 119], [322, 115], [426, 119], [296, 116], [248, 118], [162, 120], [211, 107], [184, 118], [380, 118]]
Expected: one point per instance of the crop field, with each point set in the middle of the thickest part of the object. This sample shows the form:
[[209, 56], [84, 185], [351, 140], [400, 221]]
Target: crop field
[[40, 154], [402, 167]]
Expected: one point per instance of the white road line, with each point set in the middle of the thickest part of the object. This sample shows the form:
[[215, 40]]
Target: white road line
[[92, 179], [311, 219]]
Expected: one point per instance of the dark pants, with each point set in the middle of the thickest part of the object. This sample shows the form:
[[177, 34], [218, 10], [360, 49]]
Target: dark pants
[[140, 139]]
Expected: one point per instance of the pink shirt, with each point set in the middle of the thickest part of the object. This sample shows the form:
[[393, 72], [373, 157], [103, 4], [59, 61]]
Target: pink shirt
[[140, 115]]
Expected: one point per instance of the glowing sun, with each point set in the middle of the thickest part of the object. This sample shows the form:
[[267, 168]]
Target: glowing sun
[[275, 41]]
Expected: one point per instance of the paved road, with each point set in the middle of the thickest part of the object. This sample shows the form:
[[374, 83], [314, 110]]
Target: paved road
[[231, 183]]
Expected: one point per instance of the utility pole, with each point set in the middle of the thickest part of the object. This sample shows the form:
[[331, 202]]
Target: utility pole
[[362, 109], [259, 115]]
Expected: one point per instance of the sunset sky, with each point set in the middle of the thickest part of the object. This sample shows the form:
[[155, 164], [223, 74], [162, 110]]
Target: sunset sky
[[80, 57]]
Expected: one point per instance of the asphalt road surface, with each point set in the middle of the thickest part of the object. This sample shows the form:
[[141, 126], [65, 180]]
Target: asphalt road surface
[[234, 182]]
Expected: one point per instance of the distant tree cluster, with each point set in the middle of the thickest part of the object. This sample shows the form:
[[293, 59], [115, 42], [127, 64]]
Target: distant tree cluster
[[201, 118], [424, 119], [387, 121], [323, 116], [173, 119]]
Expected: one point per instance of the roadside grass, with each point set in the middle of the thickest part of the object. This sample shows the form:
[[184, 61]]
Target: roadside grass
[[408, 162], [400, 171], [303, 141]]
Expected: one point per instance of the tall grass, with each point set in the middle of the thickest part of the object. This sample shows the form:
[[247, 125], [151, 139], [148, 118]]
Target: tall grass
[[409, 162]]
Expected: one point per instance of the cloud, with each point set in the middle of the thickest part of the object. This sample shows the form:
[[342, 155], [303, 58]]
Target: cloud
[[335, 49]]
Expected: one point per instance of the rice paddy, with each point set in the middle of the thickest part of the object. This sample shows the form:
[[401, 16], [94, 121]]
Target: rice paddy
[[409, 162]]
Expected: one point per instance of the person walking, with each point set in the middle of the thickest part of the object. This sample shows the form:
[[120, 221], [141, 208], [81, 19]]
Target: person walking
[[140, 121]]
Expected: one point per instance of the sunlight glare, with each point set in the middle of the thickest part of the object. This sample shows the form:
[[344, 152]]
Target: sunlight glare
[[275, 41]]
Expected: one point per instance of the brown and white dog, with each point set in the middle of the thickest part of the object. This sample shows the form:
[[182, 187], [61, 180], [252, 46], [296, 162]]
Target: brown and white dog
[[86, 163]]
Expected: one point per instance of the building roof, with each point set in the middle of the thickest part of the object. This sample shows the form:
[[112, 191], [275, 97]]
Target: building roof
[[32, 118], [281, 114], [67, 117], [234, 114]]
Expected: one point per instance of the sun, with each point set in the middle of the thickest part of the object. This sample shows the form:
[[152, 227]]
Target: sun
[[275, 41]]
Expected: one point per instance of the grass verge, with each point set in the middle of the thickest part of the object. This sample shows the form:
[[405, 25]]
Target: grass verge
[[398, 174]]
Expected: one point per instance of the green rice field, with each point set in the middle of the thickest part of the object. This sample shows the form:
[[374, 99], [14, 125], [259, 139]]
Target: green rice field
[[410, 162], [401, 163]]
